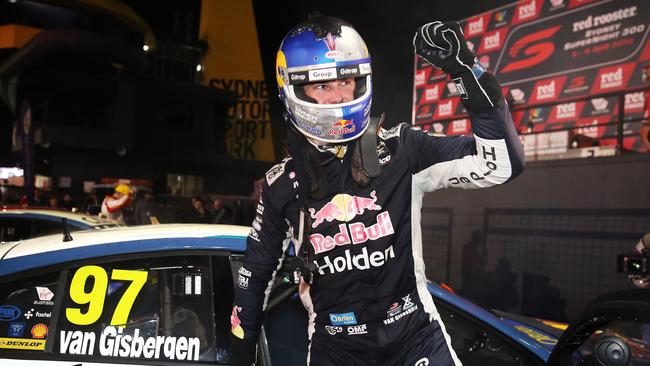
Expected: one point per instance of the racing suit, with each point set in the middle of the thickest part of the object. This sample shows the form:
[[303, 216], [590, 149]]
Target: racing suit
[[369, 304], [112, 207]]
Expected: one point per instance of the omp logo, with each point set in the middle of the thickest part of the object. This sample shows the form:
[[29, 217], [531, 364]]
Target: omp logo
[[445, 109], [526, 11], [422, 362], [420, 77], [567, 110], [612, 79], [492, 41], [459, 126], [534, 47], [475, 27], [546, 91], [634, 101], [357, 329], [431, 94]]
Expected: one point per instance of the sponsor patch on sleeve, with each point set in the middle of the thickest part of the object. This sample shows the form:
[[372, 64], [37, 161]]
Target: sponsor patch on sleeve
[[393, 132], [275, 172]]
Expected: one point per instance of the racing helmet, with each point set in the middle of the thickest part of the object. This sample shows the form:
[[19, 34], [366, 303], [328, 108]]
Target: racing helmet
[[122, 188], [323, 49]]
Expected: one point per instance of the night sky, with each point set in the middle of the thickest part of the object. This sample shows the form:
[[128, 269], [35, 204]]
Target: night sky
[[387, 27]]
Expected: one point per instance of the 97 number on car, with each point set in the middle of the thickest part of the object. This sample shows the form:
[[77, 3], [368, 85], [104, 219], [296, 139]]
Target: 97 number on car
[[95, 297]]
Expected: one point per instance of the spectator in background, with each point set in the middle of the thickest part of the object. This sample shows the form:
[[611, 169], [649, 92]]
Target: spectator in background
[[200, 215], [222, 214], [68, 203], [91, 204], [39, 200], [53, 201], [112, 206], [145, 208]]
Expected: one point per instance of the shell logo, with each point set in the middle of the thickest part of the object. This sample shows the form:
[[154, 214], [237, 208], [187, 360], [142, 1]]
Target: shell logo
[[39, 331]]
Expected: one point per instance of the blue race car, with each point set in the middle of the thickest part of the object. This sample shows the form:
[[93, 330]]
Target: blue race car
[[162, 294]]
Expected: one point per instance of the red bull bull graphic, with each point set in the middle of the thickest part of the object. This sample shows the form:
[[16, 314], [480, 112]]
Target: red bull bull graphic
[[235, 323], [355, 233], [342, 127], [344, 207]]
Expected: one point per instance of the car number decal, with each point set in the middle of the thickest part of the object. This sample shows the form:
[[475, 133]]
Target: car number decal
[[95, 297]]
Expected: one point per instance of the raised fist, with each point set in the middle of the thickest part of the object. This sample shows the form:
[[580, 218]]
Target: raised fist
[[443, 46]]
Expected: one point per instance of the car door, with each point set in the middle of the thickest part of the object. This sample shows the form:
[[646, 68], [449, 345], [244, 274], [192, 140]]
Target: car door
[[133, 310], [614, 330]]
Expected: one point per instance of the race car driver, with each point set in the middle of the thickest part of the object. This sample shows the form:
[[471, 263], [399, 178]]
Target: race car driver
[[355, 216]]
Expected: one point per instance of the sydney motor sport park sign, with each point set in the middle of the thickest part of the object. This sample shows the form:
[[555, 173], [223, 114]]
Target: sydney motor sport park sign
[[550, 51]]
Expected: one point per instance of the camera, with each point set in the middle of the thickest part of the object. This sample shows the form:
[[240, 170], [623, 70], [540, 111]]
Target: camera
[[633, 264]]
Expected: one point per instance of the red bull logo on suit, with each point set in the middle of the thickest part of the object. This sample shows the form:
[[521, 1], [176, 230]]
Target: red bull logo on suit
[[344, 207], [355, 233]]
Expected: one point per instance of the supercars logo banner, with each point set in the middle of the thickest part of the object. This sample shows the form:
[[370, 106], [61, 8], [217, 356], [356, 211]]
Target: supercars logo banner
[[587, 37]]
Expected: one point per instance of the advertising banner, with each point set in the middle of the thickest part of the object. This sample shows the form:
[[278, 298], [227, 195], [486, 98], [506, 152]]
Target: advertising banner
[[551, 51], [234, 63]]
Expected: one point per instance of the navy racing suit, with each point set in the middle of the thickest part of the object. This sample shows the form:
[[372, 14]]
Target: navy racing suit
[[369, 303]]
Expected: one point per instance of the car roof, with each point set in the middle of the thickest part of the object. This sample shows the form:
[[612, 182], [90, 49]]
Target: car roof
[[76, 219], [50, 250]]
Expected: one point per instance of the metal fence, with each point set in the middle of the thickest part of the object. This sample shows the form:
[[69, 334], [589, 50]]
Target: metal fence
[[551, 262]]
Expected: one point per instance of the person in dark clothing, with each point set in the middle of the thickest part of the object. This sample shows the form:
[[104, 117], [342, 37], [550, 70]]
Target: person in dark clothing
[[349, 197], [200, 214], [68, 202], [222, 213], [145, 208]]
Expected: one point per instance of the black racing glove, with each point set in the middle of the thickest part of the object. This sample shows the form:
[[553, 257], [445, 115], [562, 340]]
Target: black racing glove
[[242, 353], [443, 45]]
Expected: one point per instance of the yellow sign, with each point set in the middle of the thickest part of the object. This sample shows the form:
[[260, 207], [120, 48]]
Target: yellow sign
[[234, 63], [22, 343], [95, 297]]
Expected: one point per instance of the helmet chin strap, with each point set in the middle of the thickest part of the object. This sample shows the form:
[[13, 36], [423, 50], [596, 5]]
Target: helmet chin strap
[[338, 150]]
